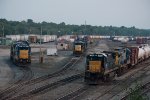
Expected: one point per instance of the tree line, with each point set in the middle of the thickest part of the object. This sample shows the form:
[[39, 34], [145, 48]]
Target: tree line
[[50, 28]]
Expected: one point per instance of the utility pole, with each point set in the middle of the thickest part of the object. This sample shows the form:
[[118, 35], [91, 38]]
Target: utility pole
[[3, 31], [40, 36], [85, 28], [41, 53]]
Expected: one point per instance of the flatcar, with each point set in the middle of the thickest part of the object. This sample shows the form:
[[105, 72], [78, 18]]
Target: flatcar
[[20, 53]]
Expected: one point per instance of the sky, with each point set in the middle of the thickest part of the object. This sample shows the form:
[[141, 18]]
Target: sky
[[95, 12]]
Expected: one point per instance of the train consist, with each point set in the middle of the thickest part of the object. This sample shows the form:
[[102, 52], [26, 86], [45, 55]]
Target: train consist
[[79, 46], [20, 53], [104, 66], [141, 40]]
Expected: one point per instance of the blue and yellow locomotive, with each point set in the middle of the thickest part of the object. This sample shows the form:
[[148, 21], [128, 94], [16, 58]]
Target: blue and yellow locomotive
[[80, 46], [104, 66], [20, 53]]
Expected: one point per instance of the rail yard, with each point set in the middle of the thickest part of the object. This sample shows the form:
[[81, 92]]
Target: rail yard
[[87, 69]]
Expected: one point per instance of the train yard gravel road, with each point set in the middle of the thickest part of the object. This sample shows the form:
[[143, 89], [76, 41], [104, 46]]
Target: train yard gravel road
[[66, 85], [6, 74]]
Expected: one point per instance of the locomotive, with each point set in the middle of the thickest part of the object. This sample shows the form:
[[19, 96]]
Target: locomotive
[[104, 66], [96, 67], [80, 46], [20, 53]]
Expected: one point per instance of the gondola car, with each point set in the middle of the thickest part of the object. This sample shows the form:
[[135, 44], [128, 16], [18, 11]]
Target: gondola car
[[20, 53]]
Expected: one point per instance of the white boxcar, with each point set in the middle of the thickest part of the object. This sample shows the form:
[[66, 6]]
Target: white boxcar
[[51, 51], [124, 40], [26, 37], [53, 37], [13, 37], [22, 37]]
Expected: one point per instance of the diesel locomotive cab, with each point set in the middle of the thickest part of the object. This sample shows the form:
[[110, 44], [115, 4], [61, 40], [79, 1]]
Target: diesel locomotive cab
[[20, 53], [79, 48], [95, 64], [24, 54]]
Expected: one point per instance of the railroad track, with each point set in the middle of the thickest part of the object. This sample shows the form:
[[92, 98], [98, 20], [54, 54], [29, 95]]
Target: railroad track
[[143, 90], [70, 64], [76, 95], [15, 88], [10, 91], [128, 80], [46, 87], [27, 74]]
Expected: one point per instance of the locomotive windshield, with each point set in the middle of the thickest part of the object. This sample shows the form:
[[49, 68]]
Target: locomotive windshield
[[24, 48], [78, 43], [95, 63], [95, 58]]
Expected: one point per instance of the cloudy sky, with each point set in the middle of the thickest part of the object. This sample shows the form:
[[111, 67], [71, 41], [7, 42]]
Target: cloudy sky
[[96, 12]]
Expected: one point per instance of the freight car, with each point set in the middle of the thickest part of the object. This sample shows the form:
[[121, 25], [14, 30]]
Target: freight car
[[138, 54], [104, 66], [20, 53], [79, 47], [141, 40]]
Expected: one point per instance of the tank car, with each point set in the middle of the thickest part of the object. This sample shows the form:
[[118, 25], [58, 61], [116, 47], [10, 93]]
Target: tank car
[[20, 53], [146, 48], [141, 54]]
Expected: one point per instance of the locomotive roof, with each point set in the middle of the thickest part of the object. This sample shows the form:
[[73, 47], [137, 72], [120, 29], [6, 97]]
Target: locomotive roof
[[21, 44], [79, 41], [99, 55], [119, 48]]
